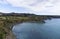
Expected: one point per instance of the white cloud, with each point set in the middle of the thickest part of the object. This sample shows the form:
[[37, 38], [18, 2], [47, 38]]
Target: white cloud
[[34, 5], [3, 2], [6, 11], [50, 6]]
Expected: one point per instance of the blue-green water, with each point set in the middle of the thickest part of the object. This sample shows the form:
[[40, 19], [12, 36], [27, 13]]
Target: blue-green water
[[48, 30]]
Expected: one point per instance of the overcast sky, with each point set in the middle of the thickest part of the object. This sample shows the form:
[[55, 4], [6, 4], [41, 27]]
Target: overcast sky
[[45, 7]]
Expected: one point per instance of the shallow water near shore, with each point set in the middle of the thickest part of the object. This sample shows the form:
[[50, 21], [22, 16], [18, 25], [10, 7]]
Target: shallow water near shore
[[28, 30]]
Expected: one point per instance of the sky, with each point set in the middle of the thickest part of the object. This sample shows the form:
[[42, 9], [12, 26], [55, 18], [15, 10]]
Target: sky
[[39, 7]]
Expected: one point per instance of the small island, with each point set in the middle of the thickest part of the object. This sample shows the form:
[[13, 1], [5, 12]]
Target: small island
[[8, 20]]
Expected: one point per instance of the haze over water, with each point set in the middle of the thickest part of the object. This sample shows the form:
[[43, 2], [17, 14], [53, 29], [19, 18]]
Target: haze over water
[[48, 30]]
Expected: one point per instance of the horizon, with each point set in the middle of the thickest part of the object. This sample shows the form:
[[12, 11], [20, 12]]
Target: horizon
[[27, 13]]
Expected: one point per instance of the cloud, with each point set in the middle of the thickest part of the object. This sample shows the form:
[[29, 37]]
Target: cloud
[[43, 6], [3, 10], [35, 5], [3, 2]]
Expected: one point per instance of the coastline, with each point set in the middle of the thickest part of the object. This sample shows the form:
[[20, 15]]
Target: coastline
[[7, 22]]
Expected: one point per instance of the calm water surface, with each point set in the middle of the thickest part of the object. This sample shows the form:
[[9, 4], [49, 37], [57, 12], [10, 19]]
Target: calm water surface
[[48, 30]]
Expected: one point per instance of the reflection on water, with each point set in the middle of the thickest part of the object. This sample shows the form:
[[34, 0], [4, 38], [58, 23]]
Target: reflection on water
[[48, 30]]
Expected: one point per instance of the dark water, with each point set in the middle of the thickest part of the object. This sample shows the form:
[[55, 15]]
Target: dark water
[[48, 30]]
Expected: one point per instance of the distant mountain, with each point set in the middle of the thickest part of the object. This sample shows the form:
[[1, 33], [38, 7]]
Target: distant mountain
[[28, 15], [17, 14]]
